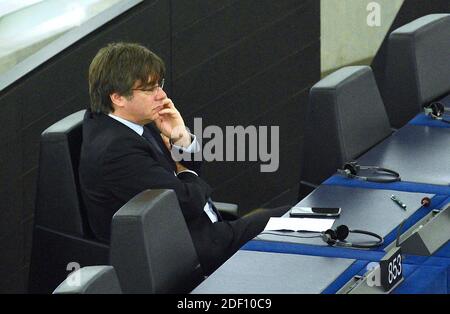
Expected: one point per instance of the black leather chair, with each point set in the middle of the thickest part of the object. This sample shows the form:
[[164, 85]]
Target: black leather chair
[[417, 67], [151, 247], [346, 117], [91, 280], [61, 232]]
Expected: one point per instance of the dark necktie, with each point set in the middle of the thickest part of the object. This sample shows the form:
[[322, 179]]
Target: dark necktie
[[151, 139]]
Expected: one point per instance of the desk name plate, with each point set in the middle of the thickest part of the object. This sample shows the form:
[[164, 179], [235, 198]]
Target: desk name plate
[[381, 278], [391, 270]]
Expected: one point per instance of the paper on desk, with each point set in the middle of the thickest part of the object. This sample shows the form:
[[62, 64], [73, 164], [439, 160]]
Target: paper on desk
[[298, 224]]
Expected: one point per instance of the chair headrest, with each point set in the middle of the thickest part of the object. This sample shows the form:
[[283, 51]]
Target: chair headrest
[[65, 125], [151, 247], [59, 206], [417, 66], [346, 116], [428, 38]]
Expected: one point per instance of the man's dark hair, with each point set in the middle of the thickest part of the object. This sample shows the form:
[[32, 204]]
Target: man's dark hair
[[116, 68]]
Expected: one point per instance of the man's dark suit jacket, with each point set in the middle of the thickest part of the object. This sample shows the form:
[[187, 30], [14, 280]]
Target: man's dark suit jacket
[[116, 164]]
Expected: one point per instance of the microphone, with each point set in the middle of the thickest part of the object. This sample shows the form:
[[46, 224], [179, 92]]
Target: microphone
[[399, 232], [425, 202]]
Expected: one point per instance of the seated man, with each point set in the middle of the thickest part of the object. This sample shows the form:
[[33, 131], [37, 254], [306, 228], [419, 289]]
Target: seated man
[[127, 135]]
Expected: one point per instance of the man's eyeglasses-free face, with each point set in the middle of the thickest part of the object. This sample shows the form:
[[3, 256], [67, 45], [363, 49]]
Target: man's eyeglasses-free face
[[151, 90]]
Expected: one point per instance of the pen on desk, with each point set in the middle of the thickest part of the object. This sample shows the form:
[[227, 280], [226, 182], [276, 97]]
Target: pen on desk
[[398, 202]]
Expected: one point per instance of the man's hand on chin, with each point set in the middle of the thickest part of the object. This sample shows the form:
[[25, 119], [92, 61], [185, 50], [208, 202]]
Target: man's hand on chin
[[171, 124]]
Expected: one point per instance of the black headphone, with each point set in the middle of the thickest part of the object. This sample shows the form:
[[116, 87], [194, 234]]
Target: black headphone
[[351, 169], [436, 111], [336, 237]]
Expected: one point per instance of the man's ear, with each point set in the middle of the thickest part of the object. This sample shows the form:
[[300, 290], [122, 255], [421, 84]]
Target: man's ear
[[117, 100]]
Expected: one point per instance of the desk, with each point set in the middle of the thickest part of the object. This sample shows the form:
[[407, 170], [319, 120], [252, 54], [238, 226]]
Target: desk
[[260, 272], [365, 209], [419, 153], [425, 171], [249, 272], [422, 274]]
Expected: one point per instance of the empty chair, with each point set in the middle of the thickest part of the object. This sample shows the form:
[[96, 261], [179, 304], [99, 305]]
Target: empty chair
[[90, 280], [61, 232], [151, 247], [346, 117], [417, 67]]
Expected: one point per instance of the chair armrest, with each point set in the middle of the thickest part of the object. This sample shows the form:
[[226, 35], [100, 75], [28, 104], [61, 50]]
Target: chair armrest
[[228, 211]]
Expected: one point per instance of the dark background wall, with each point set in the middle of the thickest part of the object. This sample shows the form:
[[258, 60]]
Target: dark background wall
[[246, 62]]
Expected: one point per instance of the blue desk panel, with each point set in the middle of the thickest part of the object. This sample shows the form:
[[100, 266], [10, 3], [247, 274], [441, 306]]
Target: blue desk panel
[[435, 261], [419, 153], [313, 250], [397, 186], [444, 251], [423, 120]]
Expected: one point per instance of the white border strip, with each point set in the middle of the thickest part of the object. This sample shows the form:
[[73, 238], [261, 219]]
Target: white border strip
[[61, 43]]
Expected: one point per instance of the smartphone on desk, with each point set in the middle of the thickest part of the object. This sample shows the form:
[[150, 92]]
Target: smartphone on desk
[[315, 212]]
